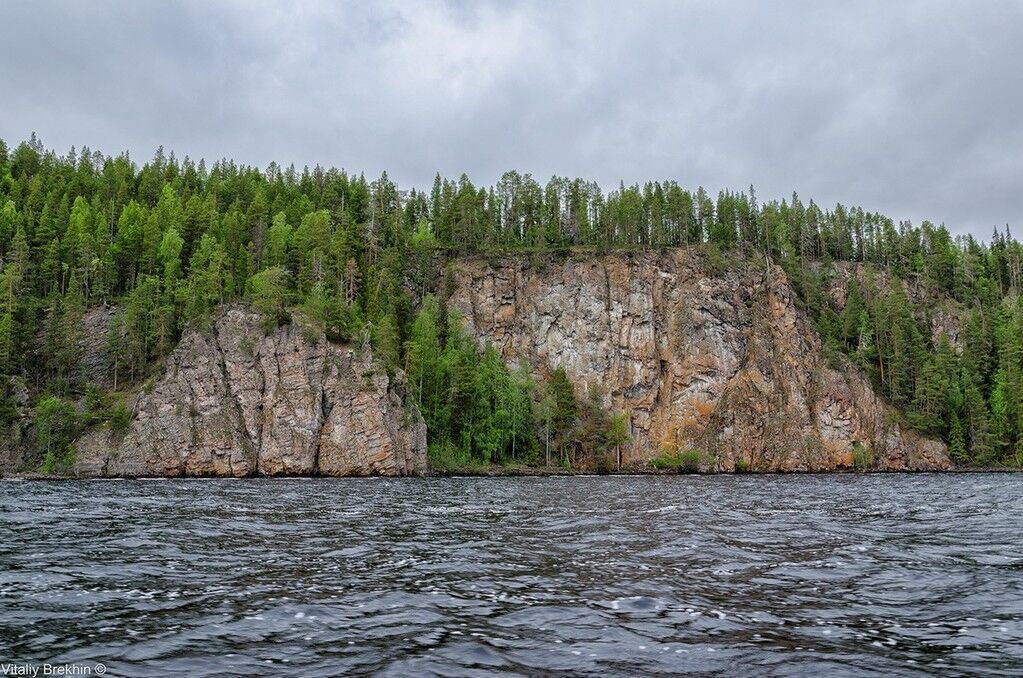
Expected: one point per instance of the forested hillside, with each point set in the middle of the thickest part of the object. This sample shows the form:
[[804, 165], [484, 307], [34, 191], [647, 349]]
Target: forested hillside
[[168, 242]]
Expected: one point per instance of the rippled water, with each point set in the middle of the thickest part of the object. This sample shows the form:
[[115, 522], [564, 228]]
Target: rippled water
[[628, 575]]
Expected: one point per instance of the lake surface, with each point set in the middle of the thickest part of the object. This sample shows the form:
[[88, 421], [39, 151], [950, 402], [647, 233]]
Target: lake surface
[[730, 575]]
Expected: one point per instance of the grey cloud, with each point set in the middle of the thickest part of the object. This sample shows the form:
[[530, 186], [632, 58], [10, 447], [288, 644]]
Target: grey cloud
[[908, 108]]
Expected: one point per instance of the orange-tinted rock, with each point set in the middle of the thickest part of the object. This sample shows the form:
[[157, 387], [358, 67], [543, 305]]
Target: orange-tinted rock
[[724, 363]]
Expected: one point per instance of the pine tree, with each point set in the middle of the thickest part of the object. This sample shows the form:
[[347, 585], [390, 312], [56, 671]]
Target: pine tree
[[278, 241], [564, 411], [977, 423], [65, 337], [8, 357], [424, 369], [523, 437], [169, 256], [16, 270], [270, 292], [618, 435]]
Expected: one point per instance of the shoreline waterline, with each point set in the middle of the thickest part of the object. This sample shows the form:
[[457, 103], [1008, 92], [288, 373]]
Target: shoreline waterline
[[518, 473]]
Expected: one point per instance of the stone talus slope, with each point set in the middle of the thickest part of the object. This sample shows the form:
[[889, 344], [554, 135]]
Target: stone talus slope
[[237, 401], [726, 364]]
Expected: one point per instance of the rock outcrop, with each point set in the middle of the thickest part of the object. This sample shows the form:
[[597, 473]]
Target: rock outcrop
[[945, 316], [96, 325], [16, 438], [725, 363], [237, 401]]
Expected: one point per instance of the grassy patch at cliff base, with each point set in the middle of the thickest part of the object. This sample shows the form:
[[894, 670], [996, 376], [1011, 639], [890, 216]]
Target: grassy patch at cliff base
[[679, 461]]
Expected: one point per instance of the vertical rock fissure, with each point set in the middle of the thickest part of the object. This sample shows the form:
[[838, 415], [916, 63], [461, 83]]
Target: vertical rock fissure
[[236, 404], [261, 418], [662, 398], [192, 411], [278, 387], [325, 408]]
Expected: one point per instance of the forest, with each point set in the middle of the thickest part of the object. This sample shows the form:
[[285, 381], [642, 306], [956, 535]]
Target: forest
[[169, 241]]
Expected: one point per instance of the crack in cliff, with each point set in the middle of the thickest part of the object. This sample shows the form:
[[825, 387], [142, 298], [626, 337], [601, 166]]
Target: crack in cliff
[[662, 352], [474, 302], [106, 462], [236, 402], [278, 387], [261, 419], [192, 410], [325, 409]]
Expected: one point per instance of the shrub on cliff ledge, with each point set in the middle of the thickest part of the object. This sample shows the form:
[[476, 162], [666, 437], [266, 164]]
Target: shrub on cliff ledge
[[690, 461], [863, 457], [120, 418], [680, 461]]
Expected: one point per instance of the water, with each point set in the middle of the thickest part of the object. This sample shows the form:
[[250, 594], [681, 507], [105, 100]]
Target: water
[[742, 575]]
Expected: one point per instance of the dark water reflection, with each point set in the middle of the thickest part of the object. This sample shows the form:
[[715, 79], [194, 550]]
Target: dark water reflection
[[605, 576]]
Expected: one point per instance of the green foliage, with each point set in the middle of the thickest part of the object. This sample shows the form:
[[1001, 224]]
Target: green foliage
[[276, 252], [564, 410], [618, 436], [8, 405], [471, 402], [169, 241], [863, 456], [679, 461], [8, 362], [713, 260], [690, 461], [270, 294], [446, 457], [120, 418], [665, 461], [56, 426], [98, 403]]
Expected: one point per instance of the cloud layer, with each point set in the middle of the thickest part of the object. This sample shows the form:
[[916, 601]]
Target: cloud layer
[[913, 108]]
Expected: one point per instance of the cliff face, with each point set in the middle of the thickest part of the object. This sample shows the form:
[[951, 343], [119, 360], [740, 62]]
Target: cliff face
[[726, 363], [237, 401], [17, 437]]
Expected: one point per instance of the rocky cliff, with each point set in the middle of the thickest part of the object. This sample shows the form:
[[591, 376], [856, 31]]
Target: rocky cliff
[[724, 363], [236, 400]]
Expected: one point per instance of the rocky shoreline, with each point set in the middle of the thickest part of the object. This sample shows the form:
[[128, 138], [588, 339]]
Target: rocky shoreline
[[520, 472], [722, 362]]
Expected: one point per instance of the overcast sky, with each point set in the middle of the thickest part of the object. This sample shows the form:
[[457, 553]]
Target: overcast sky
[[913, 108]]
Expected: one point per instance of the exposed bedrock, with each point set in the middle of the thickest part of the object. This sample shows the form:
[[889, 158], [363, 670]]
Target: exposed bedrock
[[235, 400], [727, 363]]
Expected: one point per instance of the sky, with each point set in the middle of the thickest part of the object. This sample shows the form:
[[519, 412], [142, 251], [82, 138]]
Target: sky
[[914, 109]]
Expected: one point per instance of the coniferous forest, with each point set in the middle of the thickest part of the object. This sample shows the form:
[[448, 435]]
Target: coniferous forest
[[169, 241]]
